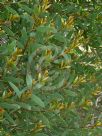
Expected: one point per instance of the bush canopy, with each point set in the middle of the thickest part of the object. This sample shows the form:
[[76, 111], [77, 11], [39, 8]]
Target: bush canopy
[[50, 68]]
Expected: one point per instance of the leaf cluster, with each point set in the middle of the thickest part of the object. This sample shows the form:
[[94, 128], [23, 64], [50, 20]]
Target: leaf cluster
[[50, 67]]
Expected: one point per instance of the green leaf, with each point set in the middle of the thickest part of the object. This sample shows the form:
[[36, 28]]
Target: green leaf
[[59, 37], [38, 101], [45, 120], [9, 106], [24, 106], [16, 90], [36, 10], [9, 118], [70, 93], [11, 46], [58, 22], [67, 57], [24, 37], [11, 78], [24, 89], [8, 30], [29, 80], [45, 29], [33, 48], [26, 8], [11, 10]]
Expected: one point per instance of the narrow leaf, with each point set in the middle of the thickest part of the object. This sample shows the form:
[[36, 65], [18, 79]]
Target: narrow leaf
[[9, 106], [38, 101], [29, 80], [16, 90], [9, 118], [25, 106], [8, 30], [70, 93]]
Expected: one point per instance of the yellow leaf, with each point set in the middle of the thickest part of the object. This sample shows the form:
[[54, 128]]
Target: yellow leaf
[[15, 17], [99, 124], [88, 103], [97, 91], [39, 76], [39, 126], [45, 5]]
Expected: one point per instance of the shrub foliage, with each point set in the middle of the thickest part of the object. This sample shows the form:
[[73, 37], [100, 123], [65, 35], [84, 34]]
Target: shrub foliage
[[50, 67]]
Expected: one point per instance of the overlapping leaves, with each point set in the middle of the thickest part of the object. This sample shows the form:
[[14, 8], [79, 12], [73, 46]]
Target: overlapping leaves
[[50, 67]]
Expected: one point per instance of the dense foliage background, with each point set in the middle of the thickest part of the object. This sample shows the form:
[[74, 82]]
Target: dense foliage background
[[50, 67]]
